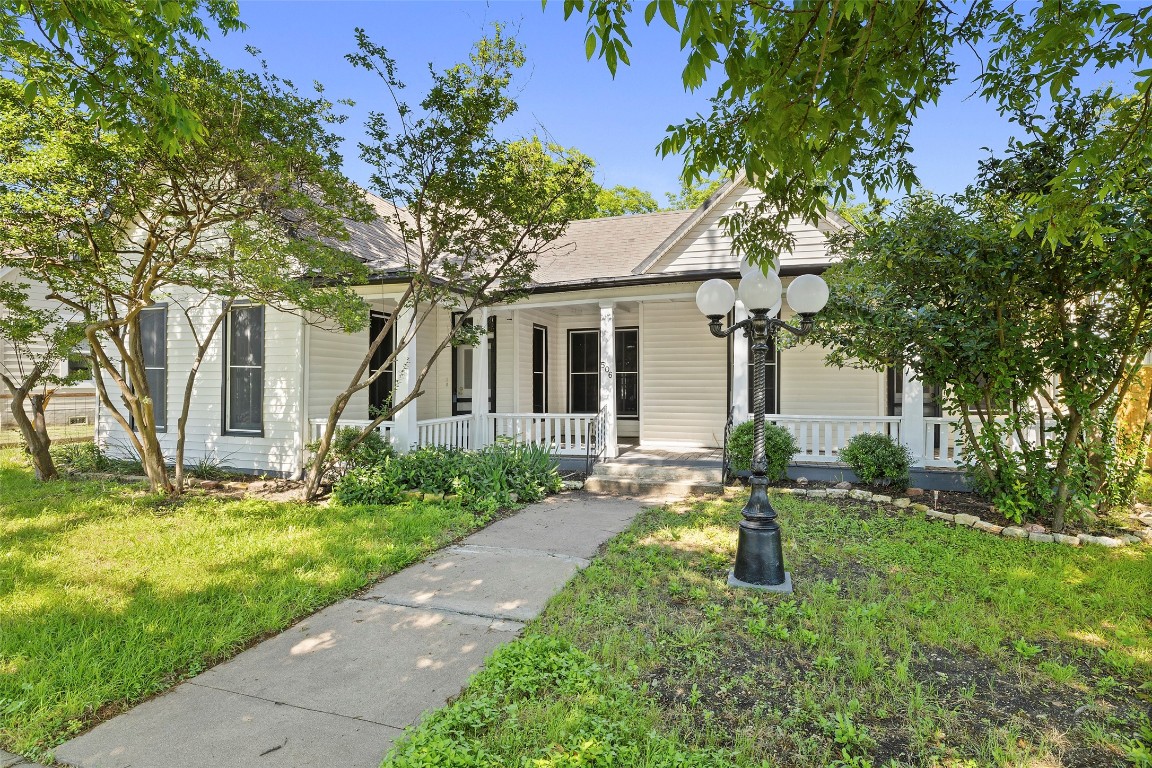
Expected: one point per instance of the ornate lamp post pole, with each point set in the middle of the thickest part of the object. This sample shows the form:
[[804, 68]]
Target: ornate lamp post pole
[[759, 554]]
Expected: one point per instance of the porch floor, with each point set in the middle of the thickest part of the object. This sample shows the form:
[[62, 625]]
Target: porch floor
[[685, 457]]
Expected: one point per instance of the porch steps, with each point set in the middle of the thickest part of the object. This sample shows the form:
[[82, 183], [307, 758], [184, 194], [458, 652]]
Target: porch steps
[[627, 478]]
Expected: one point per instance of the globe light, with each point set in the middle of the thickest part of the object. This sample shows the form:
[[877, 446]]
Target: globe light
[[746, 266], [808, 294], [775, 310], [759, 291], [715, 297]]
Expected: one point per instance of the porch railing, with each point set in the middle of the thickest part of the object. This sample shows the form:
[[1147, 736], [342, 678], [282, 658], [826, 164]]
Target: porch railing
[[448, 432], [821, 438], [944, 439], [567, 434], [316, 427]]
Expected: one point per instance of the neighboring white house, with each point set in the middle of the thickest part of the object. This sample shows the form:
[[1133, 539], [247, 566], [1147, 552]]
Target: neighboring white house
[[610, 338], [74, 406]]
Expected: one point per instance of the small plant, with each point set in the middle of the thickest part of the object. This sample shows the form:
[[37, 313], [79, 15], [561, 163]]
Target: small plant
[[878, 460], [1060, 673], [779, 448], [87, 457], [1025, 649], [208, 467]]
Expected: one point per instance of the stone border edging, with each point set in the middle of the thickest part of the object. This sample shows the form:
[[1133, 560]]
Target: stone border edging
[[970, 521]]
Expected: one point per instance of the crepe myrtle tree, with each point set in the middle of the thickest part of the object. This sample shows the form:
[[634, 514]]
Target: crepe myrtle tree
[[112, 223], [112, 58], [1034, 346], [39, 340], [815, 100], [474, 211]]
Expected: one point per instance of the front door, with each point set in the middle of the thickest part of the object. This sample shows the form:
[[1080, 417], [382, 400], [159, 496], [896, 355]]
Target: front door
[[462, 362]]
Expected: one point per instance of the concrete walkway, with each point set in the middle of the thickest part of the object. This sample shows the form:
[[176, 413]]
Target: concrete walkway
[[339, 687]]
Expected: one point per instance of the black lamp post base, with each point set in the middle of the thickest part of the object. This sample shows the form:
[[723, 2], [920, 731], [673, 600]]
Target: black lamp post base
[[784, 588]]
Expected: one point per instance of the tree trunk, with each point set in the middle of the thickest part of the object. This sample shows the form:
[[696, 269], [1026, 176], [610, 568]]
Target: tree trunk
[[35, 431], [190, 382], [1060, 507]]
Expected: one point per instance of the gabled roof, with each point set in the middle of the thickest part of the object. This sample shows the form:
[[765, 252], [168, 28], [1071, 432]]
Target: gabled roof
[[593, 249]]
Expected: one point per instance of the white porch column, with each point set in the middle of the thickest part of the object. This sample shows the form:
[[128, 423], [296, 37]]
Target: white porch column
[[480, 436], [404, 429], [741, 408], [608, 376], [912, 416]]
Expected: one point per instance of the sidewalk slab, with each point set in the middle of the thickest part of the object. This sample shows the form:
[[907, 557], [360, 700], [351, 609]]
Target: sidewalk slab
[[195, 726], [381, 663], [476, 580], [338, 687], [575, 525]]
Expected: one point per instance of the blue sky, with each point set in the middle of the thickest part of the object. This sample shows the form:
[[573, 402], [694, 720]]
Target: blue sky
[[617, 122]]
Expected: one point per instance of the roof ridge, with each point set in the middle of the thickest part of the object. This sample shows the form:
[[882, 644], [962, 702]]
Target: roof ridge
[[646, 214]]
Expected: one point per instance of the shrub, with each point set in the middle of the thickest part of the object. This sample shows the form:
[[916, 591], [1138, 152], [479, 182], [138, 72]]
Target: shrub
[[485, 481], [779, 448], [343, 456], [878, 459], [87, 457]]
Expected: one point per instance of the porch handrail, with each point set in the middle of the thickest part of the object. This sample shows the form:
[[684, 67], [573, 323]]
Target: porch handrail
[[316, 427], [820, 438], [445, 432], [565, 434]]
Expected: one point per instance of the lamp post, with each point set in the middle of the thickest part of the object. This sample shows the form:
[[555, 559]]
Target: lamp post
[[759, 554]]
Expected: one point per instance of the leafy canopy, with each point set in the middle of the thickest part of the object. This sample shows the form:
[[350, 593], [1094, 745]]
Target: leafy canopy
[[814, 100], [110, 58]]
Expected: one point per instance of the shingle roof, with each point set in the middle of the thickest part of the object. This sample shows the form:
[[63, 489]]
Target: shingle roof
[[590, 248], [607, 247]]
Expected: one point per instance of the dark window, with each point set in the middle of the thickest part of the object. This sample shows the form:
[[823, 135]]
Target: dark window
[[154, 350], [628, 372], [244, 375], [80, 358], [771, 378], [380, 390], [539, 369], [932, 408], [583, 371]]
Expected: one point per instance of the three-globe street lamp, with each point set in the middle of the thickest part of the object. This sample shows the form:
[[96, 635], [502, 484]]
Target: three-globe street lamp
[[759, 554]]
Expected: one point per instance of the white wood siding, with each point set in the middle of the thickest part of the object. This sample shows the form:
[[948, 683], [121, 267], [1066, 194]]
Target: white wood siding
[[707, 246], [683, 377], [280, 449], [333, 357]]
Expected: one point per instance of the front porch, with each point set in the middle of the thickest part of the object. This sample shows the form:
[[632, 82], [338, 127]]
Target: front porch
[[588, 377]]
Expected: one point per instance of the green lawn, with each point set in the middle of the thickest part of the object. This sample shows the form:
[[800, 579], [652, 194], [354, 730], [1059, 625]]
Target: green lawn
[[108, 595], [907, 643]]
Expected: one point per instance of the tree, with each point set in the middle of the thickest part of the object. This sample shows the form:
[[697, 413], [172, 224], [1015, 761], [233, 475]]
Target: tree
[[623, 201], [39, 340], [815, 100], [1035, 346], [112, 223], [692, 196], [111, 58], [475, 212]]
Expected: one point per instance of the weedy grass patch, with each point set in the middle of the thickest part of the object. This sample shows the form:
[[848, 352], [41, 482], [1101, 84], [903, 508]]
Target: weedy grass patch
[[907, 643], [109, 595]]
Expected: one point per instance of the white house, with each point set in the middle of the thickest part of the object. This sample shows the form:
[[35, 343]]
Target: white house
[[608, 343]]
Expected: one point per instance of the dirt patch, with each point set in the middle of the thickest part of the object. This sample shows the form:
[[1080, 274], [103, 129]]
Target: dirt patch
[[984, 696]]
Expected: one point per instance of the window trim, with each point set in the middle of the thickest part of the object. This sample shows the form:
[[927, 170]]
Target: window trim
[[617, 372], [226, 368], [387, 349], [544, 372], [568, 372], [159, 306]]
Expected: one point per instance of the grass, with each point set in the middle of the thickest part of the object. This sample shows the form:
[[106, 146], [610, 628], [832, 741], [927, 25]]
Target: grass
[[109, 595], [907, 643]]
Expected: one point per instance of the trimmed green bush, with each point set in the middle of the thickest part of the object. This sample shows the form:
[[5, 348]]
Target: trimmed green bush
[[485, 481], [779, 448], [878, 459]]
